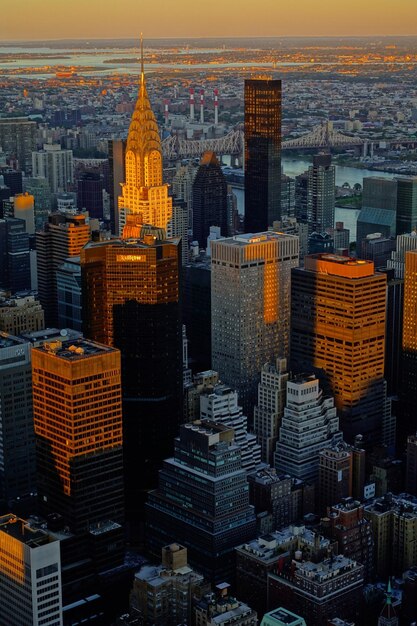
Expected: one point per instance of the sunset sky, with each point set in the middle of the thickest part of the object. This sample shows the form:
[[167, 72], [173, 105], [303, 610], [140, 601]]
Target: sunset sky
[[58, 19]]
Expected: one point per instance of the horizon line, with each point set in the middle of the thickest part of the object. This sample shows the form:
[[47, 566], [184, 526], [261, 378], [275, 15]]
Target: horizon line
[[159, 37]]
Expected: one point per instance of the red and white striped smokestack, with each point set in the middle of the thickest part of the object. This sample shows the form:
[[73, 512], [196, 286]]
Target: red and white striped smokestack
[[191, 104], [202, 106], [216, 107], [166, 111]]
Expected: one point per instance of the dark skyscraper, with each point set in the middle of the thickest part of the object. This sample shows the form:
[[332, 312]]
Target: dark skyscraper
[[406, 205], [14, 255], [131, 301], [209, 199], [90, 194], [262, 154]]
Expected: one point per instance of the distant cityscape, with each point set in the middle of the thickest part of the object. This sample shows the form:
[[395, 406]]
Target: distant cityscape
[[208, 332]]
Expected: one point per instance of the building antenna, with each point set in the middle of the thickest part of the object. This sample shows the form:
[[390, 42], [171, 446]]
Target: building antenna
[[142, 71]]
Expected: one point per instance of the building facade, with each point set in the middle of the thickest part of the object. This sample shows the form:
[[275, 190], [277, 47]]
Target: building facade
[[209, 199], [321, 193]]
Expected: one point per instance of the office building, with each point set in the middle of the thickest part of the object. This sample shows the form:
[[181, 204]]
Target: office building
[[12, 179], [411, 468], [320, 242], [15, 274], [379, 206], [262, 153], [278, 499], [301, 195], [258, 558], [165, 594], [292, 226], [406, 205], [282, 617], [54, 164], [78, 428], [41, 192], [202, 500], [203, 381], [197, 311], [377, 248], [287, 196], [90, 188], [69, 295], [62, 237], [143, 192], [341, 236], [20, 314], [335, 476], [209, 199], [267, 414], [178, 227], [131, 300], [250, 307], [317, 591], [223, 609], [116, 149], [309, 424], [394, 526], [18, 139], [348, 526], [220, 405], [17, 449], [338, 329], [30, 575], [393, 330], [404, 243], [407, 419], [321, 190]]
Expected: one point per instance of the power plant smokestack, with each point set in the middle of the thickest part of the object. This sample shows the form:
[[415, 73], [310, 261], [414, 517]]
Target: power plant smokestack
[[216, 107], [192, 104], [202, 106]]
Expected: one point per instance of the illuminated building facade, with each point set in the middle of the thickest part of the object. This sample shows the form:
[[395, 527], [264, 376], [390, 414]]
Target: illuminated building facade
[[143, 192], [407, 424], [262, 153], [338, 329], [78, 429], [63, 236], [30, 575], [131, 296], [250, 307]]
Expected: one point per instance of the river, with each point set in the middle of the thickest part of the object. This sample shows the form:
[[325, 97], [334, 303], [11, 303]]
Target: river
[[352, 175]]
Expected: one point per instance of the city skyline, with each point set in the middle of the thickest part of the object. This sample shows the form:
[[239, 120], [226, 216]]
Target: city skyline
[[244, 20]]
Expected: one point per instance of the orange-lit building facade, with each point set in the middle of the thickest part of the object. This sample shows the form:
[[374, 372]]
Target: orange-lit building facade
[[78, 428], [407, 423], [338, 329], [143, 192], [131, 299]]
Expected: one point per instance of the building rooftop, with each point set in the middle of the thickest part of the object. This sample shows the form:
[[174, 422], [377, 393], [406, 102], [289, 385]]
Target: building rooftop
[[329, 568], [20, 529], [336, 265], [74, 350], [404, 504], [248, 238], [8, 341], [268, 547], [282, 616], [37, 337]]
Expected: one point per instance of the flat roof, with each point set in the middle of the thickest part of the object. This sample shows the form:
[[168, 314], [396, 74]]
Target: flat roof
[[8, 341], [73, 350], [20, 529]]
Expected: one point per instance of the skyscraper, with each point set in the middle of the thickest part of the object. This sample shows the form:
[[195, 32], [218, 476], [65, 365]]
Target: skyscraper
[[202, 500], [335, 476], [407, 422], [262, 153], [379, 205], [18, 139], [17, 449], [209, 199], [90, 194], [54, 164], [309, 424], [30, 575], [272, 392], [78, 428], [321, 193], [250, 307], [131, 300], [63, 236], [143, 192], [14, 255], [338, 329], [406, 205]]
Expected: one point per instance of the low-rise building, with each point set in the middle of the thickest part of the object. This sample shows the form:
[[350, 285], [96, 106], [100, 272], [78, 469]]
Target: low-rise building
[[20, 314], [223, 610]]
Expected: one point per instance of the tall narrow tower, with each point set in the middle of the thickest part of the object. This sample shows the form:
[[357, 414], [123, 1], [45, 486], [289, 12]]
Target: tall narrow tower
[[262, 153], [143, 192]]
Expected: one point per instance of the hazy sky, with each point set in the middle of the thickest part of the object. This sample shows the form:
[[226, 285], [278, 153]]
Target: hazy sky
[[57, 19]]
